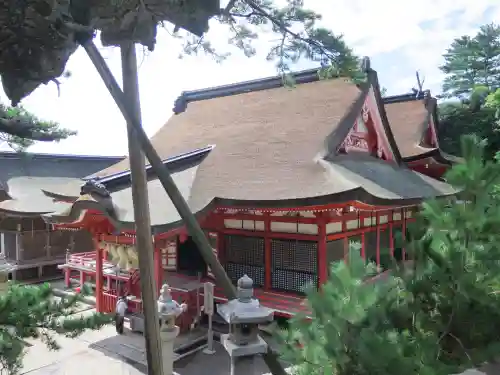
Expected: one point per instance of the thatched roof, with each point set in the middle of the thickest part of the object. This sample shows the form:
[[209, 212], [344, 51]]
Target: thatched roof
[[409, 119], [24, 176], [39, 36], [272, 147], [410, 116]]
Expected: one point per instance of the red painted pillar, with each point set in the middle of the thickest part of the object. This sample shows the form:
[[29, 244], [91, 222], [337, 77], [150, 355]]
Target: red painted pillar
[[391, 239], [267, 251], [346, 241], [98, 277], [67, 282], [403, 234], [322, 259], [346, 249], [377, 260], [363, 249], [158, 268]]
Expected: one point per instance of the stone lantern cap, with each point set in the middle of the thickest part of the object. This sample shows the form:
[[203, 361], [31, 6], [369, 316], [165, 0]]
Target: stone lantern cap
[[167, 306], [245, 308]]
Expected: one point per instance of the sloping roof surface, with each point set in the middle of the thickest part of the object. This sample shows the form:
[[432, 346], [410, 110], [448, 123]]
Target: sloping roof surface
[[257, 128], [24, 176], [409, 120], [14, 165]]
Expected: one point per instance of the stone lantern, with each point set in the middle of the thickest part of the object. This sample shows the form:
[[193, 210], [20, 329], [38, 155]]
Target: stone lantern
[[244, 314], [168, 311]]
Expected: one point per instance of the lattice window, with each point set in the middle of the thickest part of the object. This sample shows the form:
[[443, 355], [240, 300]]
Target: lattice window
[[334, 252], [245, 250], [399, 242], [371, 246], [245, 255], [169, 256], [294, 265], [354, 244], [295, 255], [293, 281], [385, 249], [236, 271]]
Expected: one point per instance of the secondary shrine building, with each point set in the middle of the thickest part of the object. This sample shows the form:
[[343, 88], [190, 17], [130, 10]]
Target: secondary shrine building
[[30, 248], [414, 123], [281, 179]]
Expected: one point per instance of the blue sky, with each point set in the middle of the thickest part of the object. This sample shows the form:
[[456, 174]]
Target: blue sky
[[400, 37]]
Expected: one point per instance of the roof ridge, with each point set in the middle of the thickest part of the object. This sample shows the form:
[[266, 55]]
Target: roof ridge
[[185, 157], [413, 96], [19, 155], [271, 82]]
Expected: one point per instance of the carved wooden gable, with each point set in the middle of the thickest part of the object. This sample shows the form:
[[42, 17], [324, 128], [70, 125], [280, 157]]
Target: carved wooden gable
[[368, 133]]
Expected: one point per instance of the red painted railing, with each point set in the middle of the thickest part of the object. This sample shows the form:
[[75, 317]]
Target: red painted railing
[[81, 258], [109, 299]]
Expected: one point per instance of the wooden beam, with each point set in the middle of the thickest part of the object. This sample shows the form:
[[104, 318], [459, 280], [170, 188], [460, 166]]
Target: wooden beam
[[278, 219], [141, 213], [162, 173], [272, 235]]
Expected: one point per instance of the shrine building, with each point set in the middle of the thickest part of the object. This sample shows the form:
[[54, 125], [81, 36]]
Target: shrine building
[[282, 180], [414, 123]]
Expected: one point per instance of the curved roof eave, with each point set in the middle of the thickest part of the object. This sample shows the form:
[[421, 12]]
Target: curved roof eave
[[438, 154], [13, 213], [8, 207], [357, 194], [59, 196], [426, 152], [74, 214]]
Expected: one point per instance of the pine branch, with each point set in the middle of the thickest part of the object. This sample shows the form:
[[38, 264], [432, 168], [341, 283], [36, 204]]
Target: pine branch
[[20, 129], [33, 312], [26, 130], [286, 30], [298, 36]]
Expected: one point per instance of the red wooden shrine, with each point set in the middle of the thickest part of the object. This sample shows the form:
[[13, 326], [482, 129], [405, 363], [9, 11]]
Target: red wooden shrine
[[283, 249], [318, 235]]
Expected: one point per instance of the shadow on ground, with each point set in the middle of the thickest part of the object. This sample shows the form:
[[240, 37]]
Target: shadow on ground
[[127, 348]]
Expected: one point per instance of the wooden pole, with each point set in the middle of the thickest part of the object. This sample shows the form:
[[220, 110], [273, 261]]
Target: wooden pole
[[170, 187], [162, 173], [144, 239]]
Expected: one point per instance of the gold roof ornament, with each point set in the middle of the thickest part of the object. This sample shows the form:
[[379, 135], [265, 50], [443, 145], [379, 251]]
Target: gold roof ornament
[[114, 254], [133, 259], [122, 257]]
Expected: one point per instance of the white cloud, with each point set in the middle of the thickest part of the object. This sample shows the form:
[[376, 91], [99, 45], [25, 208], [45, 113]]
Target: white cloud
[[377, 29]]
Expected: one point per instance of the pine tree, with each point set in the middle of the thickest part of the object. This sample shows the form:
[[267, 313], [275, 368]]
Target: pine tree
[[294, 29], [19, 129], [472, 61], [440, 315], [493, 101], [32, 312]]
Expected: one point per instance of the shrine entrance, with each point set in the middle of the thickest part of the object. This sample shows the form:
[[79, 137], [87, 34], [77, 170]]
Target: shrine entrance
[[190, 260]]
